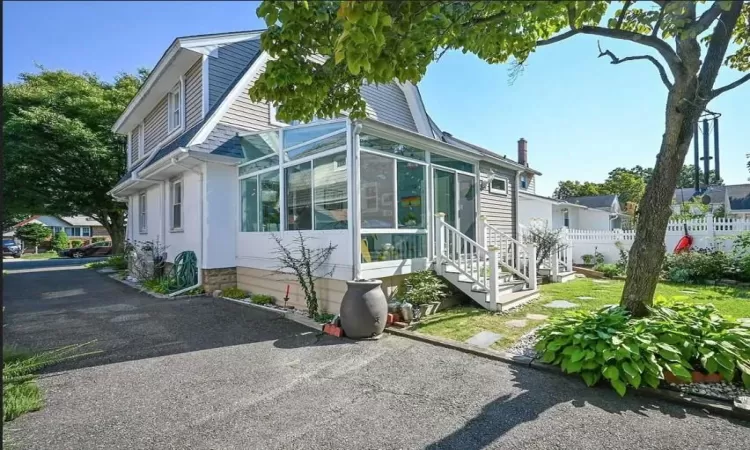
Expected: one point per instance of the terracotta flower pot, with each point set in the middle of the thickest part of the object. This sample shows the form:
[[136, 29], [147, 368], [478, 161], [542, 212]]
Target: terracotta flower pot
[[696, 377], [669, 377], [713, 378]]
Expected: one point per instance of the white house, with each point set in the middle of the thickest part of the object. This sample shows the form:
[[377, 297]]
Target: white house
[[210, 171]]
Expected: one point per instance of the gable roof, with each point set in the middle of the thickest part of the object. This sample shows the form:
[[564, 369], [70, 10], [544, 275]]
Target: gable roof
[[594, 201], [195, 44]]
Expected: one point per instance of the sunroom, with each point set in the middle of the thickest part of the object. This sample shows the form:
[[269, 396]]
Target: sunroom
[[369, 188]]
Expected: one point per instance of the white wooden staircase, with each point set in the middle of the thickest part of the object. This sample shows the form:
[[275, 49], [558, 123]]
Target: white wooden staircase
[[558, 266], [499, 275]]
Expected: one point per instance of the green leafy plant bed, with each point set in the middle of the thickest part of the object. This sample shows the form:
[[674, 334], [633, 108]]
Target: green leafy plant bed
[[610, 345], [234, 293]]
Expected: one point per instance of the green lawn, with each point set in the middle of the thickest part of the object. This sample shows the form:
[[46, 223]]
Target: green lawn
[[18, 397], [463, 322], [44, 255]]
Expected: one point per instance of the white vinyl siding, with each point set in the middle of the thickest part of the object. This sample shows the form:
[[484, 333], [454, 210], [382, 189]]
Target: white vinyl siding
[[135, 144], [498, 208]]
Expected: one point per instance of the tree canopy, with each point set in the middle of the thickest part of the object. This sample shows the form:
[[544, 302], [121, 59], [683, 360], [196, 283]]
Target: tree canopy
[[379, 41], [61, 157], [33, 233]]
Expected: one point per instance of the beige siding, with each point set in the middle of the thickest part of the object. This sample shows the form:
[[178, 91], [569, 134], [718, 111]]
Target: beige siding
[[498, 208], [193, 95], [135, 144], [387, 103], [330, 292], [155, 126], [531, 187], [247, 114]]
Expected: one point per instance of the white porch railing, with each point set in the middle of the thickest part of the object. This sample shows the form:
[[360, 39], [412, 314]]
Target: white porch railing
[[513, 255], [467, 256], [561, 259]]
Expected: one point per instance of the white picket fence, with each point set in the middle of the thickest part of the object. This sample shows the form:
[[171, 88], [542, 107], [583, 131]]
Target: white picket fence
[[706, 232]]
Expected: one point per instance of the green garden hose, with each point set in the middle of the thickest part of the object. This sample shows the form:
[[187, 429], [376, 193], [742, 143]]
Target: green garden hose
[[185, 270]]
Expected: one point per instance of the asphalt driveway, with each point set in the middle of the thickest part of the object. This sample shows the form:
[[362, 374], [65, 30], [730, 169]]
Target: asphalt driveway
[[208, 374]]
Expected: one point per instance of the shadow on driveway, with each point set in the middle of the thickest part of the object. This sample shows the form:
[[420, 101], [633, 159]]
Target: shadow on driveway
[[54, 308]]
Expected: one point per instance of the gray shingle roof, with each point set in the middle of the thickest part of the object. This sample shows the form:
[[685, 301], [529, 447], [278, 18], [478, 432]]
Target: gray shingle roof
[[739, 197], [593, 201], [717, 193]]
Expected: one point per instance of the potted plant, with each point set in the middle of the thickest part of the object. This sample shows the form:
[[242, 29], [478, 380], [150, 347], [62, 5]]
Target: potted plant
[[423, 289]]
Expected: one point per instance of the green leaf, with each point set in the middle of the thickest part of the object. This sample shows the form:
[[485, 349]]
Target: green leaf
[[746, 380], [619, 386], [629, 369], [548, 356], [578, 355], [611, 372], [679, 371], [724, 362], [651, 379], [590, 378]]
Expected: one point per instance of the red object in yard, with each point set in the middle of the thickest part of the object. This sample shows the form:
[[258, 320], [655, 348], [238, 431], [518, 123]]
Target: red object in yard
[[333, 330], [685, 242]]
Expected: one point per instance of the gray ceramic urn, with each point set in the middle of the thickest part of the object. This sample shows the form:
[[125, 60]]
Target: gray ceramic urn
[[364, 309]]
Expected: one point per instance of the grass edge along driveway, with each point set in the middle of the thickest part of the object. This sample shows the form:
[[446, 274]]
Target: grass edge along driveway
[[461, 323]]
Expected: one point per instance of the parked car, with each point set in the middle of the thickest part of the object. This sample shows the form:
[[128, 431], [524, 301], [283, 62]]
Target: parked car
[[102, 248], [11, 248]]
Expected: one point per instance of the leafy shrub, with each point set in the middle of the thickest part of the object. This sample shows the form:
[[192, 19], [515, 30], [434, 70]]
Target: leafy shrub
[[697, 266], [631, 352], [117, 262], [76, 243], [422, 287], [234, 292], [262, 299], [622, 263], [587, 259], [324, 318], [158, 285], [609, 270], [60, 241], [98, 239], [598, 257], [547, 241]]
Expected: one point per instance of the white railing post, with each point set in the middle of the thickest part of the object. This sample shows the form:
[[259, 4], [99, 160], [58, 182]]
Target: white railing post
[[493, 278], [532, 266], [554, 263], [439, 242], [482, 231], [710, 227], [569, 257]]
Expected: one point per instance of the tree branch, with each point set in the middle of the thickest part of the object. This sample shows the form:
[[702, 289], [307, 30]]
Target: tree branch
[[718, 91], [717, 48], [622, 14], [664, 49], [657, 25], [616, 60], [706, 19]]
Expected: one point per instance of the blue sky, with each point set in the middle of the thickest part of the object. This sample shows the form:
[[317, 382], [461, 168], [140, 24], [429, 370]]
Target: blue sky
[[581, 115]]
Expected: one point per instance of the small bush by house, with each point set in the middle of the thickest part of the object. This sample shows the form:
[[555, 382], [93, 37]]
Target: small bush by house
[[609, 270], [261, 299], [235, 293], [419, 288]]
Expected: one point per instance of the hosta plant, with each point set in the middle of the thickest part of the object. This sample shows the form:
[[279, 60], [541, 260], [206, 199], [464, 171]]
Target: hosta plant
[[603, 344], [626, 352]]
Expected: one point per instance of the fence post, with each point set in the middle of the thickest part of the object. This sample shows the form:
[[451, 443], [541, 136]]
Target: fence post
[[710, 225], [493, 278], [532, 266], [439, 242], [554, 262]]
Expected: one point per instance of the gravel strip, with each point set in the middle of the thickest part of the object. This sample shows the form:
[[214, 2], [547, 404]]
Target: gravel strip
[[722, 390], [525, 345]]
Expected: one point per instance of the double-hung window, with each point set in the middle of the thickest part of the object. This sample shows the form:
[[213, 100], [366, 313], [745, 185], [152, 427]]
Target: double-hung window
[[175, 108], [142, 213], [176, 195]]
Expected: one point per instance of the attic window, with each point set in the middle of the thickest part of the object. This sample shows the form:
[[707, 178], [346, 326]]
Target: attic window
[[524, 182], [175, 107], [498, 186]]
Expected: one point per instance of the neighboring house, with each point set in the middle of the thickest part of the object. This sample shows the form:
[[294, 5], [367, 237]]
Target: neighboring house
[[212, 172], [716, 198], [598, 204], [731, 200], [737, 200], [82, 228]]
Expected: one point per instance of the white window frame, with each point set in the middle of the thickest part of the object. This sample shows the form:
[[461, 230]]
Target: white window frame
[[84, 230], [524, 181], [172, 204], [498, 191], [566, 217], [179, 90], [142, 213]]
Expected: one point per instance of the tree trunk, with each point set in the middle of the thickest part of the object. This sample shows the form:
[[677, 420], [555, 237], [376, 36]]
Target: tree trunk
[[648, 250], [114, 223]]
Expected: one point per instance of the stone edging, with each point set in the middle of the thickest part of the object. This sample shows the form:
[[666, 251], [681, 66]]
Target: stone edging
[[713, 406], [289, 315]]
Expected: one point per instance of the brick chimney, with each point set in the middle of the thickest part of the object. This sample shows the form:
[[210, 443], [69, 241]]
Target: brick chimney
[[523, 154]]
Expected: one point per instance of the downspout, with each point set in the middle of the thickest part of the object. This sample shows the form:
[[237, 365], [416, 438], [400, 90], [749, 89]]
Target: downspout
[[354, 200], [200, 260]]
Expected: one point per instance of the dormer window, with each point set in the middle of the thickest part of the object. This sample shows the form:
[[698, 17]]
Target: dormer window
[[524, 181], [175, 108]]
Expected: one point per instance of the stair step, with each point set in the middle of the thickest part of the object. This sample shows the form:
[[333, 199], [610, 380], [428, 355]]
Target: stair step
[[516, 299]]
